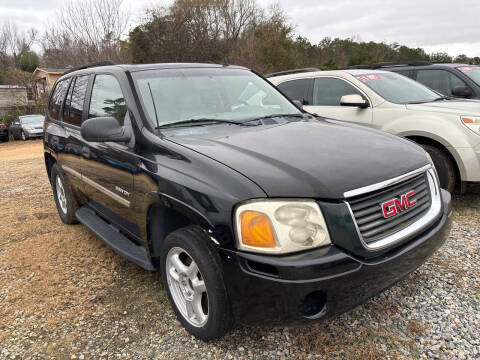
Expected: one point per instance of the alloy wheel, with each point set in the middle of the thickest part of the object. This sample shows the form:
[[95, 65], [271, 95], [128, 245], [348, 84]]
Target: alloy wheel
[[187, 286], [62, 199]]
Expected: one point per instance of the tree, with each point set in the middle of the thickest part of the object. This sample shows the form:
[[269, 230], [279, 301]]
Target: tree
[[462, 59], [29, 61], [87, 31], [440, 57]]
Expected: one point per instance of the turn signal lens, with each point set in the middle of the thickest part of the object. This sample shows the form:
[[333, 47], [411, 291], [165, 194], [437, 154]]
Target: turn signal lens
[[472, 122], [256, 230]]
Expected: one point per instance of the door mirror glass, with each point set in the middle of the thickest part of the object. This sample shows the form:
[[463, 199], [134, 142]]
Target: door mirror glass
[[354, 100], [104, 129], [462, 91]]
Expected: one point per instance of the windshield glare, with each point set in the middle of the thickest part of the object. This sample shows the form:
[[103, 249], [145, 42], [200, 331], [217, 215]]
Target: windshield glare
[[397, 88], [473, 72], [31, 119], [175, 95]]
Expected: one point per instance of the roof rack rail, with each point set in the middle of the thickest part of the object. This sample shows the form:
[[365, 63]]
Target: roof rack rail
[[389, 64], [97, 64], [289, 72]]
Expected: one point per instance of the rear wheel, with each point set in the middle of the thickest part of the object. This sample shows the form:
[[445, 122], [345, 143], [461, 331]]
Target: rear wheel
[[64, 199], [192, 275], [445, 167]]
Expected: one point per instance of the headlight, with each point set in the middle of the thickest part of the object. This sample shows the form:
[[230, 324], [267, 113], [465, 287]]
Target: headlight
[[472, 122], [28, 127], [280, 226]]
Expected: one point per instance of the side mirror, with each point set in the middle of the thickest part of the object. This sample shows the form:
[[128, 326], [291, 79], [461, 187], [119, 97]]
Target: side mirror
[[298, 103], [462, 91], [104, 129], [354, 100]]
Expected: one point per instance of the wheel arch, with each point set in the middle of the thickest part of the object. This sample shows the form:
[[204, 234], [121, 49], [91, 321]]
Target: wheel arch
[[49, 161], [167, 216], [457, 162]]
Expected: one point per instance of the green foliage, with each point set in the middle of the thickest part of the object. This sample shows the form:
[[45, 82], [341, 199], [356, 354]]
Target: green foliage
[[29, 61]]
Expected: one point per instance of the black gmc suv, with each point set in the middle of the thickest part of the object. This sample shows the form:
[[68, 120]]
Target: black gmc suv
[[250, 209]]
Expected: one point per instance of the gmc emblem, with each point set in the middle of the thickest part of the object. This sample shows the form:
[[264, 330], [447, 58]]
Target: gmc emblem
[[395, 206]]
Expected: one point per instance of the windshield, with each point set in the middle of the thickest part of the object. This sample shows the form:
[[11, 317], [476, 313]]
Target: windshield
[[397, 88], [473, 72], [181, 95], [31, 119]]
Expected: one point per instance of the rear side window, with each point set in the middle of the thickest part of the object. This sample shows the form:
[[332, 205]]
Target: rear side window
[[295, 89], [73, 110], [439, 80], [328, 91], [56, 100], [107, 99]]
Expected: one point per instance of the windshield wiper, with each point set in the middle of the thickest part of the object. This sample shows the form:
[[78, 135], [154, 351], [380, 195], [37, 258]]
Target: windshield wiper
[[192, 121], [278, 115], [442, 98], [433, 100]]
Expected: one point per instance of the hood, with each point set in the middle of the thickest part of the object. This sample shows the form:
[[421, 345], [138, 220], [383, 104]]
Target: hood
[[311, 159], [457, 107]]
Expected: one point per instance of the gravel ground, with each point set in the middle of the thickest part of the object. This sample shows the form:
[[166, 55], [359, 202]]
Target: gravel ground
[[64, 295]]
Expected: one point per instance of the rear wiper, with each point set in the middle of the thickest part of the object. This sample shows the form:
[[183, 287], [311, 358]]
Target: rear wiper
[[192, 121]]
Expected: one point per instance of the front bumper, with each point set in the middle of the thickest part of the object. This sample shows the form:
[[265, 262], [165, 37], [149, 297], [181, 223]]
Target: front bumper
[[34, 133], [321, 283]]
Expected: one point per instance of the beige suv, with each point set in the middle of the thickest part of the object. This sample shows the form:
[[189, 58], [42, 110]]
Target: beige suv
[[448, 129]]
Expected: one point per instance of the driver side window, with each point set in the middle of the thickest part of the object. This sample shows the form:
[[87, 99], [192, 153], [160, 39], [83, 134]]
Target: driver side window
[[328, 91], [107, 99]]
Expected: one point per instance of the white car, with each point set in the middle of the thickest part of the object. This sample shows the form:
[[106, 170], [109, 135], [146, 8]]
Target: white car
[[448, 129]]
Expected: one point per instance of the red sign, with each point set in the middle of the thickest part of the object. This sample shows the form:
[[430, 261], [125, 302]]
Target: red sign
[[369, 77], [397, 205]]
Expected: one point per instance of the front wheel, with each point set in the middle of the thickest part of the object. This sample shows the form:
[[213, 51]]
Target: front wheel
[[23, 136], [444, 166], [193, 278]]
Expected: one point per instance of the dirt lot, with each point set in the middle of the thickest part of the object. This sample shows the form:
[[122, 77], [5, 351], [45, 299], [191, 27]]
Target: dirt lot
[[64, 295]]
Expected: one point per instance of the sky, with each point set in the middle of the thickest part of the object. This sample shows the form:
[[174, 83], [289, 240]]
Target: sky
[[436, 26]]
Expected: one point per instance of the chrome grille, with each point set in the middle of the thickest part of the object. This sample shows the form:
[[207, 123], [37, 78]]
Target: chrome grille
[[368, 214]]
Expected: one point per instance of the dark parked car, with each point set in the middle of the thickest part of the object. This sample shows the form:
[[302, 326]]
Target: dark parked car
[[3, 132], [251, 210], [456, 80], [27, 127]]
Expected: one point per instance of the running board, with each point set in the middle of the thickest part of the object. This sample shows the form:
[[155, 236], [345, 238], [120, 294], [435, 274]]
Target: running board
[[113, 238]]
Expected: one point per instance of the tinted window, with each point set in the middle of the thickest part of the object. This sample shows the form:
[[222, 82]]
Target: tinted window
[[57, 99], [295, 89], [439, 80], [75, 99], [404, 72], [107, 99], [328, 91]]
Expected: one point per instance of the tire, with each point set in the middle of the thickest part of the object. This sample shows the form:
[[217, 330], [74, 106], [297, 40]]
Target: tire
[[64, 199], [23, 136], [211, 299], [445, 167]]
